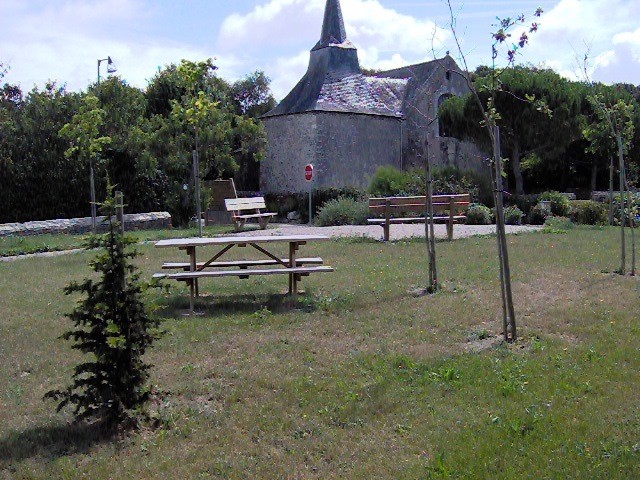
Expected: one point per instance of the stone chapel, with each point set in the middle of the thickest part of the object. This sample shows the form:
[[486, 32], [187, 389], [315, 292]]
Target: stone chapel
[[347, 123]]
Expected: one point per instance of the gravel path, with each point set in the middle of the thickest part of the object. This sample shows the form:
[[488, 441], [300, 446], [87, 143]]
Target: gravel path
[[398, 232]]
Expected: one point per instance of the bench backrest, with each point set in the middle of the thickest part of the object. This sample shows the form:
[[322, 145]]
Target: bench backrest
[[238, 204], [441, 203]]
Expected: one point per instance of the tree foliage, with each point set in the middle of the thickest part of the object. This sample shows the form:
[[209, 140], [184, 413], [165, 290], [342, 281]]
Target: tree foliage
[[152, 137], [549, 128], [539, 113]]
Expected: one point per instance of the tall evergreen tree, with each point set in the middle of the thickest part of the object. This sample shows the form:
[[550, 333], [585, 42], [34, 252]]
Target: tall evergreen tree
[[111, 325]]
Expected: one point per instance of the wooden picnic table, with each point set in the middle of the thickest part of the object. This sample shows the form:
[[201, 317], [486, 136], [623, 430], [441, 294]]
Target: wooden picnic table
[[193, 270]]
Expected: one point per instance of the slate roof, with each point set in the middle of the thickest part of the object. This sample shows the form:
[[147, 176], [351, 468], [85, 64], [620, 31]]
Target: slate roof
[[334, 81], [362, 94]]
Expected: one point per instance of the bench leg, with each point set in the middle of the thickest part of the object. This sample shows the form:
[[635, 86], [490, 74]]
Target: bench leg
[[385, 228], [192, 284], [450, 230], [293, 278], [263, 222]]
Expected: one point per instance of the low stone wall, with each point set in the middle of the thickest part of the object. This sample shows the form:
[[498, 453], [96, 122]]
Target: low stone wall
[[132, 221]]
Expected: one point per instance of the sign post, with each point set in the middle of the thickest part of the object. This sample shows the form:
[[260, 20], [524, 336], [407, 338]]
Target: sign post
[[308, 176]]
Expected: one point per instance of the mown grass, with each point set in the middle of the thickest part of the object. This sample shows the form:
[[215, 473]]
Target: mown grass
[[27, 244], [362, 380]]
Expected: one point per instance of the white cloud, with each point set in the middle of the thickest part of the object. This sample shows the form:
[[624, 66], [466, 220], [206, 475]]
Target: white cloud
[[275, 23], [65, 40], [602, 29], [384, 38]]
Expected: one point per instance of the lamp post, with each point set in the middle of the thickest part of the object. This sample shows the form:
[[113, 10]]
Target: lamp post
[[111, 68]]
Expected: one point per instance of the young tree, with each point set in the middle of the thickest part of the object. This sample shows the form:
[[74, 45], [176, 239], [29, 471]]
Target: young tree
[[112, 325], [86, 142], [199, 101], [195, 110], [490, 119], [617, 120]]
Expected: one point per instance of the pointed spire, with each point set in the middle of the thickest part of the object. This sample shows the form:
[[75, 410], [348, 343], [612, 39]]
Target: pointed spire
[[333, 32]]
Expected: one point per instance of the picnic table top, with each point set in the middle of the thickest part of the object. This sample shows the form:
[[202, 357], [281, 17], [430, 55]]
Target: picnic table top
[[226, 240]]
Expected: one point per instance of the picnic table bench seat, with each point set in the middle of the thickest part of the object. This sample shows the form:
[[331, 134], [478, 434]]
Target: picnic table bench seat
[[449, 209], [239, 263], [243, 273], [237, 207]]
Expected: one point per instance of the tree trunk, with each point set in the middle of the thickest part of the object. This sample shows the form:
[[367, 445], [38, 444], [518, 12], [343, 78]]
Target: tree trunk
[[611, 169], [505, 322], [517, 170], [508, 307], [632, 226], [594, 174], [196, 176], [623, 261], [92, 195], [428, 224]]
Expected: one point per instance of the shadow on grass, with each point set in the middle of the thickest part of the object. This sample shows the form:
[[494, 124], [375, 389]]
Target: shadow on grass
[[52, 441], [229, 305]]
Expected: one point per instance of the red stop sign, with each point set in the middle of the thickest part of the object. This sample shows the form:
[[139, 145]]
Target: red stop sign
[[308, 172]]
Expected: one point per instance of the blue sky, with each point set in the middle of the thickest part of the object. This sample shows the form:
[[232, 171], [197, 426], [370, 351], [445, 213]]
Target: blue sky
[[62, 40]]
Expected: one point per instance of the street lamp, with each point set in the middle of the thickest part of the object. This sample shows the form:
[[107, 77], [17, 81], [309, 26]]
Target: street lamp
[[111, 67]]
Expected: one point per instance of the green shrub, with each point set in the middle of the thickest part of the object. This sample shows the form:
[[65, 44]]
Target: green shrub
[[343, 211], [557, 224], [537, 215], [513, 215], [587, 212], [634, 204], [478, 215], [388, 181], [283, 203], [560, 205], [524, 202]]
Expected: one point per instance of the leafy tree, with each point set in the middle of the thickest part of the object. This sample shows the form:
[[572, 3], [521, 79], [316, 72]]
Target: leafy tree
[[617, 121], [149, 155], [252, 95], [83, 132], [112, 325], [10, 101], [539, 114], [39, 182], [490, 118], [227, 142], [127, 158]]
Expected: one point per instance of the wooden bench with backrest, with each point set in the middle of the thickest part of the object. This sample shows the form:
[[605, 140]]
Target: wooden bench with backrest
[[447, 209], [254, 204]]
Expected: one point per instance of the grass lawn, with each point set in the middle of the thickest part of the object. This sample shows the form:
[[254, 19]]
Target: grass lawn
[[363, 380], [21, 245]]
